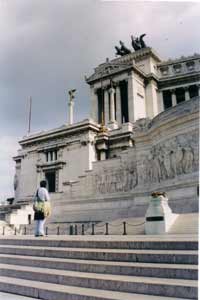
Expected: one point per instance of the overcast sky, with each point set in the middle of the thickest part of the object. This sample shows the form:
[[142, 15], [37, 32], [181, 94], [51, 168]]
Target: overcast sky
[[46, 48]]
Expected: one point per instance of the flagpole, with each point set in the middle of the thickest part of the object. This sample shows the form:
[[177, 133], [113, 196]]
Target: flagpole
[[29, 118]]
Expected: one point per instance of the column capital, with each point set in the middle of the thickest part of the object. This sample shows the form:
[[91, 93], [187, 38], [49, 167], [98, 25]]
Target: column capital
[[186, 88], [111, 90], [104, 88], [71, 103], [172, 91]]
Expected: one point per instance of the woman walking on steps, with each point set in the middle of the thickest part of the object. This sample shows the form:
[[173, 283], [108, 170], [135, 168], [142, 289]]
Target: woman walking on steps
[[41, 207]]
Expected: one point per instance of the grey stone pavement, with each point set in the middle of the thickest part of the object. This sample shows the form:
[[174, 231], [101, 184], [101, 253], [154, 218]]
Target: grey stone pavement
[[6, 296]]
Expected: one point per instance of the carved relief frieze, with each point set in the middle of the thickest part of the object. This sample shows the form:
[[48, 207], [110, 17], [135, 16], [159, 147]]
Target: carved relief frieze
[[169, 159], [123, 179], [164, 161]]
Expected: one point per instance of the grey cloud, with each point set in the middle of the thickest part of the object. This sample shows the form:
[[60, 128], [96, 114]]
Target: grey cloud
[[48, 46]]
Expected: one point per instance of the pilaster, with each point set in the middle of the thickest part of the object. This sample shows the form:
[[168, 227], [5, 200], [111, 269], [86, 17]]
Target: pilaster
[[151, 99], [131, 98]]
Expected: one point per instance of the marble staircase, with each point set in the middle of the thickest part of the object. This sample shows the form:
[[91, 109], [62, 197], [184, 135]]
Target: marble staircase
[[186, 224], [100, 267]]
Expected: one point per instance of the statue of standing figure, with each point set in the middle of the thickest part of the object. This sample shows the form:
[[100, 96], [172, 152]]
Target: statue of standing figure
[[188, 158]]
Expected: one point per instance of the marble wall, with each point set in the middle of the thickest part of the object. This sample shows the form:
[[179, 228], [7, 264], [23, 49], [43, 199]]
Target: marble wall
[[164, 157]]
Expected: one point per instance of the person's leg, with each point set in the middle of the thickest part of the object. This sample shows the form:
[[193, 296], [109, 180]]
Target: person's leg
[[41, 227], [36, 227]]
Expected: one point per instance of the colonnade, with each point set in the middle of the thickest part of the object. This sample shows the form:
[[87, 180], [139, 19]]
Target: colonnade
[[51, 155], [186, 94], [111, 114]]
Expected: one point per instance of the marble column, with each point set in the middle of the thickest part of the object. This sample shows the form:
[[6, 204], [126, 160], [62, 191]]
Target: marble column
[[106, 107], [112, 104], [71, 110], [112, 123], [49, 156], [118, 105], [53, 155], [187, 94], [174, 103]]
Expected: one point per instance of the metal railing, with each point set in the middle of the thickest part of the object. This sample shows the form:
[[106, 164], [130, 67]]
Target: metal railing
[[78, 229]]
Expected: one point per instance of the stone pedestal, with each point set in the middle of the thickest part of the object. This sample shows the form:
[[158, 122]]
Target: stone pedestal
[[159, 217], [127, 127], [102, 144], [113, 125]]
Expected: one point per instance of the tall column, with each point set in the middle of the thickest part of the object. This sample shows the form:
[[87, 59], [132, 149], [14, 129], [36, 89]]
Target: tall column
[[112, 123], [53, 155], [174, 103], [71, 105], [49, 156], [71, 109], [118, 105], [112, 104], [187, 94], [106, 107]]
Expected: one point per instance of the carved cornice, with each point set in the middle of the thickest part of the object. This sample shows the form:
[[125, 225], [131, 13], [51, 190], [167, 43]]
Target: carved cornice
[[50, 166], [182, 59], [108, 70], [138, 55], [179, 79], [60, 133]]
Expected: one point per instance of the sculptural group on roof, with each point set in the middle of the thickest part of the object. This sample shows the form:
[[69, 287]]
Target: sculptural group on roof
[[136, 42]]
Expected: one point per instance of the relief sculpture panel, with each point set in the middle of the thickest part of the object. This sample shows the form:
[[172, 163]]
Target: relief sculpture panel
[[119, 180], [166, 160], [169, 159]]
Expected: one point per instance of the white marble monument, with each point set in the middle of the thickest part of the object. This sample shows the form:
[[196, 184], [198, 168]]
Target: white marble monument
[[142, 136]]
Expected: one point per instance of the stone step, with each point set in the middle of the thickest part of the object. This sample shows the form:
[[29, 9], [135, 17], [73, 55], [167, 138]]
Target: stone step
[[185, 223], [136, 255], [173, 242], [49, 291], [9, 296], [130, 284], [107, 267]]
